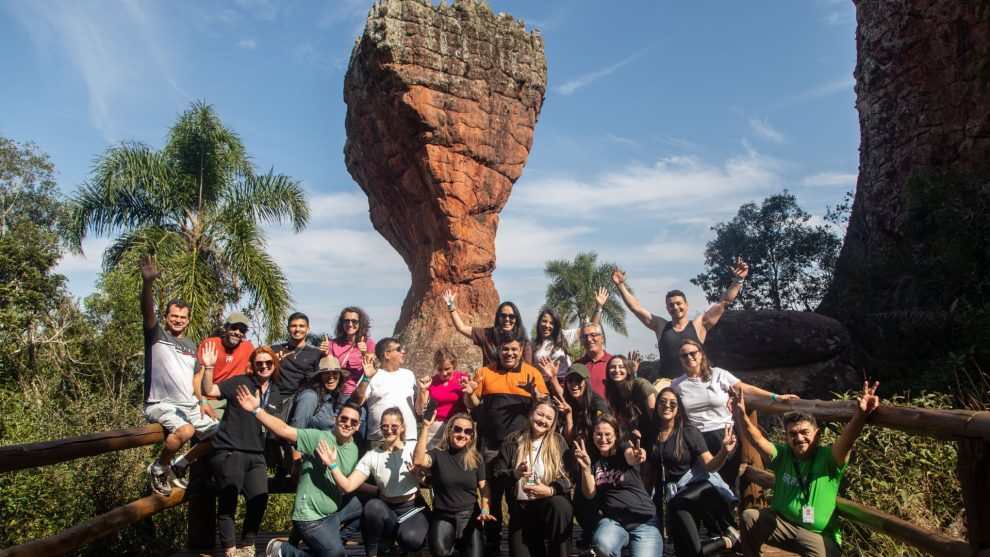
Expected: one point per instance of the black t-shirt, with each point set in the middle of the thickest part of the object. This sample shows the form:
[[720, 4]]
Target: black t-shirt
[[619, 490], [454, 488], [297, 363], [663, 457], [239, 430]]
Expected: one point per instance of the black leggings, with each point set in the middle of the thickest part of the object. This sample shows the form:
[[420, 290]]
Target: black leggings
[[455, 532], [381, 521], [533, 525], [689, 505], [493, 528], [234, 472]]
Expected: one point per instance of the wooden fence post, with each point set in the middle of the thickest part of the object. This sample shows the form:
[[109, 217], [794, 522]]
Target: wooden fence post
[[201, 514], [751, 493], [973, 468]]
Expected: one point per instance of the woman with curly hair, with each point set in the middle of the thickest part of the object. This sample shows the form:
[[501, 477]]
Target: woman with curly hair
[[349, 345]]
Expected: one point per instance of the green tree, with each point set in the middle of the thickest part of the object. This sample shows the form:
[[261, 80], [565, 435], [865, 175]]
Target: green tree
[[31, 294], [199, 205], [572, 288], [791, 260]]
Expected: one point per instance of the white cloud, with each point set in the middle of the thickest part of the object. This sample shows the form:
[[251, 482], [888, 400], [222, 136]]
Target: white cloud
[[247, 44], [831, 180], [332, 208], [525, 243], [339, 257], [589, 78], [764, 130], [682, 187], [90, 262]]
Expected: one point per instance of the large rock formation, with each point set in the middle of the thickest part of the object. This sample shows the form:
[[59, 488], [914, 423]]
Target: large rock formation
[[924, 109], [442, 102], [759, 340]]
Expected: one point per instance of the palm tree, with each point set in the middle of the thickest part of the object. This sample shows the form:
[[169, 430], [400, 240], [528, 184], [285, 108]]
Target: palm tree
[[572, 288], [199, 205]]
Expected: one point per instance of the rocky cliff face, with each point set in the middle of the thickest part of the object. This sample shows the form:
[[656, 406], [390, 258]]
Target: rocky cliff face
[[442, 102], [924, 109]]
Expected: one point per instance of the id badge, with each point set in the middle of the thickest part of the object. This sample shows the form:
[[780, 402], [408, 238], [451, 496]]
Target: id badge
[[808, 514]]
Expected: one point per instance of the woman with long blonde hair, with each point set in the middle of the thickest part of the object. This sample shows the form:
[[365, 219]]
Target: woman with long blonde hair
[[532, 465], [458, 475]]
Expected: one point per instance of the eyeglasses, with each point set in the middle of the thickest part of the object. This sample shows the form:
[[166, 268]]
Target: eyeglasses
[[469, 431], [390, 427], [590, 336], [509, 316], [689, 355], [667, 404], [344, 420], [352, 321], [397, 348], [605, 436], [264, 363]]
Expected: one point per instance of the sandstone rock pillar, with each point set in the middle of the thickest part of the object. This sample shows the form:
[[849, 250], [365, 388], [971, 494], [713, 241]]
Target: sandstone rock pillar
[[442, 102]]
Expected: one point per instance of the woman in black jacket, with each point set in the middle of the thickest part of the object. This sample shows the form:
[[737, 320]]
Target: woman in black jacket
[[533, 466]]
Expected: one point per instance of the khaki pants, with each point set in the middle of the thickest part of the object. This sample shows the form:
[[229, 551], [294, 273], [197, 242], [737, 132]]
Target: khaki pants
[[760, 526]]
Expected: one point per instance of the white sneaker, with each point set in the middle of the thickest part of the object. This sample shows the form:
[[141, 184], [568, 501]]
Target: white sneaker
[[159, 478], [274, 548]]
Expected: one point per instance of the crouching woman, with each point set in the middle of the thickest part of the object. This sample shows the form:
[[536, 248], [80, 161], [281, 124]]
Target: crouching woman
[[531, 467], [458, 475]]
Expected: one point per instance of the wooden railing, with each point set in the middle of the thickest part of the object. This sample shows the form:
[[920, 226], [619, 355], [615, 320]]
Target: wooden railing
[[970, 430]]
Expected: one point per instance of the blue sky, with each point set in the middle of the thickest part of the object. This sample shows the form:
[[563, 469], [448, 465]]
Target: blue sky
[[661, 118]]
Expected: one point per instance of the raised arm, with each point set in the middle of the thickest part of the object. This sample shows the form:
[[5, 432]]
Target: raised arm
[[866, 404], [209, 355], [600, 298], [328, 455], [746, 428], [549, 368], [251, 403], [469, 385], [420, 458], [739, 273], [584, 463], [370, 369], [644, 315], [754, 391], [149, 272], [422, 393], [450, 298], [715, 463]]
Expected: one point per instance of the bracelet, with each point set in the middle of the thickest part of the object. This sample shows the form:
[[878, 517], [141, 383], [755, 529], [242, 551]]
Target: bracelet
[[365, 379], [202, 400], [332, 467], [451, 308], [255, 411], [598, 309], [738, 280], [773, 396], [484, 511]]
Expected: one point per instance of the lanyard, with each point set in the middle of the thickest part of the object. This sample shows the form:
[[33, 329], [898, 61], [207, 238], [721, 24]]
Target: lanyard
[[264, 397], [803, 483]]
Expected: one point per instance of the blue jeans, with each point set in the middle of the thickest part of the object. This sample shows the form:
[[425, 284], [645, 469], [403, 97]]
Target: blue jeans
[[322, 538], [611, 537]]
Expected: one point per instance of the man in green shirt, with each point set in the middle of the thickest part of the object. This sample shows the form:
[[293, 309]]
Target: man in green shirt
[[314, 514], [802, 516]]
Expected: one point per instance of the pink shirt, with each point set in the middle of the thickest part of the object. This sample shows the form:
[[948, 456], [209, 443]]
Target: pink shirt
[[448, 395], [350, 359]]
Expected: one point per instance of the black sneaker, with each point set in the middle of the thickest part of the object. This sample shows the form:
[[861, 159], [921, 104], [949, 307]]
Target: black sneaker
[[179, 474]]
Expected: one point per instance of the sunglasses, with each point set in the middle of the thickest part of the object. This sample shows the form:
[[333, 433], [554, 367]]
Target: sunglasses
[[352, 321], [509, 316], [264, 363], [667, 404], [389, 427], [469, 431], [344, 420], [398, 348], [689, 355]]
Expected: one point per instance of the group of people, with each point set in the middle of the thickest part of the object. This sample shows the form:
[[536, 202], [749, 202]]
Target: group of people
[[560, 440]]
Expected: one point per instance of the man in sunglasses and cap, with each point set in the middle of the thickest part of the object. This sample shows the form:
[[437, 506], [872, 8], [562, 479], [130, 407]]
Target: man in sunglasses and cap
[[233, 358]]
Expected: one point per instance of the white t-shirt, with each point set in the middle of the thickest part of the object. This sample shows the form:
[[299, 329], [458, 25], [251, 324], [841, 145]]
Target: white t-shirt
[[705, 402], [558, 355], [389, 389], [389, 470]]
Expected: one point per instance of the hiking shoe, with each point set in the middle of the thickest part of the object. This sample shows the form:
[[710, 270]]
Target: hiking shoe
[[732, 535], [274, 548], [179, 474], [159, 478], [245, 551]]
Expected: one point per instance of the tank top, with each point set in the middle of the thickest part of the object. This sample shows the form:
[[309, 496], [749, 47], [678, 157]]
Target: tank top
[[669, 342]]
